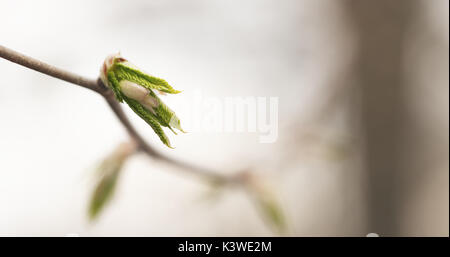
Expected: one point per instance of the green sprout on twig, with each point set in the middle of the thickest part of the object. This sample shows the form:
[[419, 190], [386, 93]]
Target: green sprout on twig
[[137, 89]]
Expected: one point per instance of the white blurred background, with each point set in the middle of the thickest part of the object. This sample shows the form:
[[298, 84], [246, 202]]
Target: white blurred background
[[52, 134]]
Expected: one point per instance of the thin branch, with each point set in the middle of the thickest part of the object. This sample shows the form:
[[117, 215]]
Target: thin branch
[[50, 70], [97, 86], [210, 175]]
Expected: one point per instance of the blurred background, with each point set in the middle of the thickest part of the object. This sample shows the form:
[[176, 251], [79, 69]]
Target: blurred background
[[363, 116]]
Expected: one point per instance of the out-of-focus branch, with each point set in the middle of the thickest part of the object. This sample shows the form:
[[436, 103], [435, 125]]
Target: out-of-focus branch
[[97, 86], [143, 146]]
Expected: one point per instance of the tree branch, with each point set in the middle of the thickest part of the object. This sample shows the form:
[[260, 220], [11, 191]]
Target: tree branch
[[50, 70], [98, 87]]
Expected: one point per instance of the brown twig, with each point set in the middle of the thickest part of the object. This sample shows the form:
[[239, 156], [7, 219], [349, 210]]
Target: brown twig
[[98, 87]]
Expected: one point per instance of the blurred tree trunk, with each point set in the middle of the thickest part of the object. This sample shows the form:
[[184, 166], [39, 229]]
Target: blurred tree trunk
[[380, 28]]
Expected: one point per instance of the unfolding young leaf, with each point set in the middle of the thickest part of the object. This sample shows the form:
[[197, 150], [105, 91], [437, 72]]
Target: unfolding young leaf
[[136, 88], [108, 173], [267, 203], [272, 210]]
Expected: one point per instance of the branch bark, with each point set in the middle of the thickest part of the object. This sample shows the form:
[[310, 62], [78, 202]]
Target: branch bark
[[97, 86]]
